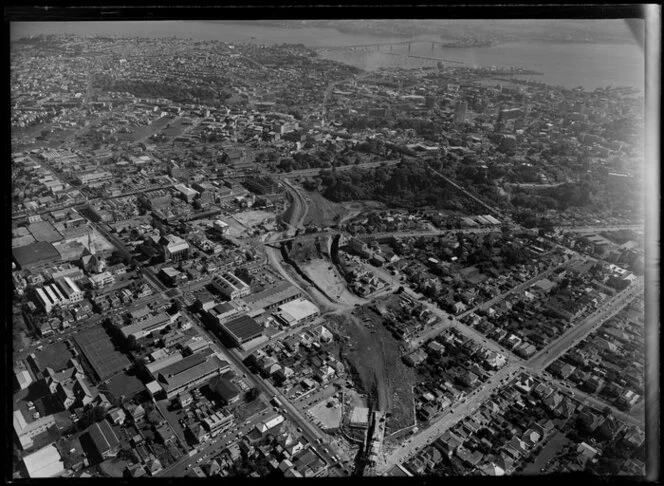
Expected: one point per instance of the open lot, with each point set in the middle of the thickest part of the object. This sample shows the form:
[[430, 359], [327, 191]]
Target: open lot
[[114, 467], [175, 129], [124, 384], [253, 218], [100, 243], [235, 228], [557, 443], [324, 273], [243, 409], [328, 416]]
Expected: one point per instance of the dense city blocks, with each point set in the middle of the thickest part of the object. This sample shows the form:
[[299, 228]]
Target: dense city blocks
[[262, 256]]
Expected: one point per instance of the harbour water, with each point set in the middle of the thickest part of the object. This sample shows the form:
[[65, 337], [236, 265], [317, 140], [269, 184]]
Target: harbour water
[[562, 64]]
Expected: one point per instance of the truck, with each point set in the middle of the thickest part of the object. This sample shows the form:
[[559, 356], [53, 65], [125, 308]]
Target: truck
[[276, 402]]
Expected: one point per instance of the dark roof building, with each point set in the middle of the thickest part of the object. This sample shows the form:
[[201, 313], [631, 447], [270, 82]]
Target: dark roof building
[[35, 255], [242, 329], [225, 388], [104, 439], [44, 231]]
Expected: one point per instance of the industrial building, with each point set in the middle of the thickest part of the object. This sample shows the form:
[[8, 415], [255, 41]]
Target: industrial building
[[35, 256], [230, 286], [190, 372], [45, 463], [147, 326], [186, 193], [241, 330], [296, 312], [272, 297]]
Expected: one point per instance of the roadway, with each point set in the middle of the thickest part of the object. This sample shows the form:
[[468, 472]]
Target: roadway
[[591, 400], [438, 426], [535, 365], [339, 168], [465, 191], [592, 229], [577, 333], [235, 357], [424, 233], [300, 206], [214, 446]]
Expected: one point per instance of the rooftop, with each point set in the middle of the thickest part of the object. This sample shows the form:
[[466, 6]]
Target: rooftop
[[45, 463], [272, 295], [299, 308], [44, 231], [243, 328], [34, 253]]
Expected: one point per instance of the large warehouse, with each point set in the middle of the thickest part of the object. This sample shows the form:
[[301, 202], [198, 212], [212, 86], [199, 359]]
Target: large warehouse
[[100, 353], [297, 312], [36, 255], [242, 330], [189, 372], [272, 297]]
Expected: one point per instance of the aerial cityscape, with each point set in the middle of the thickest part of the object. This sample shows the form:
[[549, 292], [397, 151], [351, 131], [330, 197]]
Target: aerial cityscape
[[328, 249]]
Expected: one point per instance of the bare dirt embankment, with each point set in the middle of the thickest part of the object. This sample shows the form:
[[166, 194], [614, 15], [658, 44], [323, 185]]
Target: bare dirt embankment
[[326, 276], [374, 360], [324, 213], [311, 256]]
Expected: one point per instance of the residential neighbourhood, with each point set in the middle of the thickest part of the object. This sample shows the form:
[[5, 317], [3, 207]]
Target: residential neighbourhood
[[251, 259]]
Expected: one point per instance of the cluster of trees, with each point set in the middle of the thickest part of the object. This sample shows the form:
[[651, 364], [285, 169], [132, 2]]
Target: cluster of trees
[[408, 185], [423, 127], [317, 160], [561, 197], [154, 89]]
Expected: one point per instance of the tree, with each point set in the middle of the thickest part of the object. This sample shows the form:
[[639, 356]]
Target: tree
[[253, 394], [132, 343]]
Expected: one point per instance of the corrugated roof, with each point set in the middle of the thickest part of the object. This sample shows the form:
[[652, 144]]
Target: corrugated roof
[[45, 463], [243, 328]]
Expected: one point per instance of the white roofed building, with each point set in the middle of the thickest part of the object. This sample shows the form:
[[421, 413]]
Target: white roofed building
[[297, 312], [263, 427], [45, 463]]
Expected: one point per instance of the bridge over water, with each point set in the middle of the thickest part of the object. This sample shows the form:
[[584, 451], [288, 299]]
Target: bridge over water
[[389, 46]]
